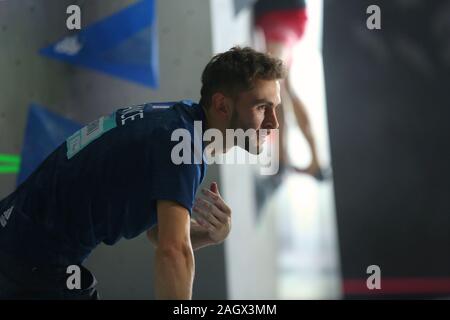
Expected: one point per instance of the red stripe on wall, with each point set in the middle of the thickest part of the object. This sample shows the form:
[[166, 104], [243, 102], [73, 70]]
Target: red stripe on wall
[[399, 286]]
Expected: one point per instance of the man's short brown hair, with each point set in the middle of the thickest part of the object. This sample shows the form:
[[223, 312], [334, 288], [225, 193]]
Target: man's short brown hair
[[236, 70]]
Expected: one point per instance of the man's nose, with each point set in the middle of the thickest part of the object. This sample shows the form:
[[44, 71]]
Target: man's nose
[[271, 121]]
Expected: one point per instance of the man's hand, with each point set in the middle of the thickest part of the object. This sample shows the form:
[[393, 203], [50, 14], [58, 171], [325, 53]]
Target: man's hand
[[214, 215], [212, 225]]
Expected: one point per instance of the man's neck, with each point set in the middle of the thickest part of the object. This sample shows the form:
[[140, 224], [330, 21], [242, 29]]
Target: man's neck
[[212, 123]]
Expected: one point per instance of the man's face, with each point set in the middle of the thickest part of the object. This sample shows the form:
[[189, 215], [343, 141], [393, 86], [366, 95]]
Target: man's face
[[255, 109]]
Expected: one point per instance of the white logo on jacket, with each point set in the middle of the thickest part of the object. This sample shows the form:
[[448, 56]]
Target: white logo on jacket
[[4, 217]]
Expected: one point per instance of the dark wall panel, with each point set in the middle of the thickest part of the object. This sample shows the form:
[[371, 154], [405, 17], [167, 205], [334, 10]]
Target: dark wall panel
[[389, 109]]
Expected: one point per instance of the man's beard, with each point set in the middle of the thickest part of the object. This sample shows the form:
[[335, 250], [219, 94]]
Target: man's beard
[[250, 144]]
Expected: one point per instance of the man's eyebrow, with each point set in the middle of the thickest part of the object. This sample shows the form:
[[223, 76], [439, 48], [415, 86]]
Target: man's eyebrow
[[257, 101]]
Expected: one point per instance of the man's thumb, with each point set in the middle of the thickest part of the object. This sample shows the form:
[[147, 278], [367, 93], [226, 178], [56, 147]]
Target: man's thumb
[[214, 188]]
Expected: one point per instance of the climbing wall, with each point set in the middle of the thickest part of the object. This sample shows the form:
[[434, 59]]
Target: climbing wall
[[80, 89]]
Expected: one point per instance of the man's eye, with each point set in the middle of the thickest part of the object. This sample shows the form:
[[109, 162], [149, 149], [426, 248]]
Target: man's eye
[[262, 107]]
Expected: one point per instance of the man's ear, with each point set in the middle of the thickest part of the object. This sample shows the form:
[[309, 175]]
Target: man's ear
[[222, 105]]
